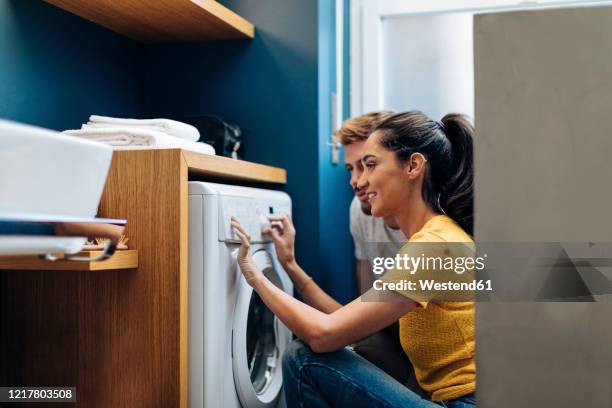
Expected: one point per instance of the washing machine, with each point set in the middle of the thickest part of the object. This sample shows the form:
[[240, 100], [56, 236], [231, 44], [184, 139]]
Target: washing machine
[[235, 341]]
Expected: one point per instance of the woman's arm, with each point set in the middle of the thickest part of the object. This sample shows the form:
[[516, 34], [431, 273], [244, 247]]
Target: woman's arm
[[330, 332], [365, 278], [322, 332], [284, 242]]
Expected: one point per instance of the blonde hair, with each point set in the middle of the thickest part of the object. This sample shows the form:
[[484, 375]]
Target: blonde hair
[[358, 129]]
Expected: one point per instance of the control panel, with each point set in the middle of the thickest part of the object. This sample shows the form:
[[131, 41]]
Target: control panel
[[252, 214]]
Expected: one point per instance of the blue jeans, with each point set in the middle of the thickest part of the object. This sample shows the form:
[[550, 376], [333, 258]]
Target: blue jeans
[[344, 379]]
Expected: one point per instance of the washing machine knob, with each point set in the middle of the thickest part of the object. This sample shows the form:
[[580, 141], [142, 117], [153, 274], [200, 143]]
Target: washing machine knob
[[263, 222]]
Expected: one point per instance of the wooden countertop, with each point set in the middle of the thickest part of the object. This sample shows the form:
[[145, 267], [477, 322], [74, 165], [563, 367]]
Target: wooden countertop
[[215, 166], [220, 166]]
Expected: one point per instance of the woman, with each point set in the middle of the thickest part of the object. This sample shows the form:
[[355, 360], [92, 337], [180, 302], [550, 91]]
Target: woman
[[420, 172]]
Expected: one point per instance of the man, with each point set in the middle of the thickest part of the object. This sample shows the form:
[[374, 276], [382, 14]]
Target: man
[[373, 237]]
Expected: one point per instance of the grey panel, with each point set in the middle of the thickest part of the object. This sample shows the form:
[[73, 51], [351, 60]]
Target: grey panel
[[543, 174]]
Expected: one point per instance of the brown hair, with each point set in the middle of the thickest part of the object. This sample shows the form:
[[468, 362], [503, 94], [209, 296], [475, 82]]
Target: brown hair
[[448, 186], [358, 129]]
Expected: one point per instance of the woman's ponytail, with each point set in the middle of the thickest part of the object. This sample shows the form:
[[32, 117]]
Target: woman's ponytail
[[448, 184], [457, 194]]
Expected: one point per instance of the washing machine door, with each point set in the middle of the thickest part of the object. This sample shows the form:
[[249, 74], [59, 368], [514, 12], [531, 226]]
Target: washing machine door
[[259, 340]]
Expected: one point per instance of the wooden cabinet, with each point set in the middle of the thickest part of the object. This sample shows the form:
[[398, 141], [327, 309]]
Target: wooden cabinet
[[119, 337]]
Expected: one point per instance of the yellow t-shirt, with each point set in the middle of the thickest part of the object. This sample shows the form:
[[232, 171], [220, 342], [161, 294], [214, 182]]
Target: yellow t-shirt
[[438, 336]]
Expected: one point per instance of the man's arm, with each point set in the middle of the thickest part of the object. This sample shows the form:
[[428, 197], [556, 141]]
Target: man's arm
[[312, 294], [284, 242]]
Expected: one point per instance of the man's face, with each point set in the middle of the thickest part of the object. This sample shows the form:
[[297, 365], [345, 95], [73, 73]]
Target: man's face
[[352, 162]]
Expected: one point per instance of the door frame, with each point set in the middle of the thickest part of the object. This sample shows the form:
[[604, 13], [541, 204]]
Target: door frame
[[366, 18]]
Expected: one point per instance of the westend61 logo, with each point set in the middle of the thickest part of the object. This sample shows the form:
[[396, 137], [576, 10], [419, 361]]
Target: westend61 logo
[[491, 271], [412, 264], [430, 277]]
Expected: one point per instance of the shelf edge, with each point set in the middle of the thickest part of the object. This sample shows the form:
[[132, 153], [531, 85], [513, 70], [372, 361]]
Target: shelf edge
[[122, 259]]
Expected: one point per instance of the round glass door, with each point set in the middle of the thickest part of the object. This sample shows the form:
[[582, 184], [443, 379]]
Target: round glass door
[[258, 343], [262, 350]]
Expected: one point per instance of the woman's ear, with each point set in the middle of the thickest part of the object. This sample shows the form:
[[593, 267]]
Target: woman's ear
[[416, 165]]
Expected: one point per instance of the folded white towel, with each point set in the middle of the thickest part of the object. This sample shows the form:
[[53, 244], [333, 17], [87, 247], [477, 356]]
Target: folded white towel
[[171, 127], [132, 138]]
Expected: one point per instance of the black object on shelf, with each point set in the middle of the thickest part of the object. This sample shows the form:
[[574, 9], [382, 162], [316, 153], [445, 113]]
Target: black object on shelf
[[225, 138]]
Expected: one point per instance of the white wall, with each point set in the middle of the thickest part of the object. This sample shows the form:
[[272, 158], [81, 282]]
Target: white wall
[[427, 63]]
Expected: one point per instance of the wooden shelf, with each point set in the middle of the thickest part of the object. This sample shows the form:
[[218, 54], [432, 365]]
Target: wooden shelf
[[225, 167], [123, 259], [203, 164], [163, 21]]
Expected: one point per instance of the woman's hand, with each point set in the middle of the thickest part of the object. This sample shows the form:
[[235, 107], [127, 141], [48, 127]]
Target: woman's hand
[[251, 272], [284, 238]]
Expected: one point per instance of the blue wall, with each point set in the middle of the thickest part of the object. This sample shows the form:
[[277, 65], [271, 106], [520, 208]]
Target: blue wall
[[268, 86], [56, 69], [277, 87]]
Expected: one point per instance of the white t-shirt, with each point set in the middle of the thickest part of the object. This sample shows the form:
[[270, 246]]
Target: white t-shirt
[[373, 238]]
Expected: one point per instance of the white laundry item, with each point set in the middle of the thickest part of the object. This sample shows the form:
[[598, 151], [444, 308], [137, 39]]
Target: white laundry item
[[133, 138], [169, 126], [94, 126]]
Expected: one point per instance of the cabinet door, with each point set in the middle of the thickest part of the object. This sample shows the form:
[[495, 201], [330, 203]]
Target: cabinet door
[[542, 160]]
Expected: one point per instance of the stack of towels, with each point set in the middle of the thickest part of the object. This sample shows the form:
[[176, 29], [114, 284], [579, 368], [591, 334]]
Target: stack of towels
[[131, 134]]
